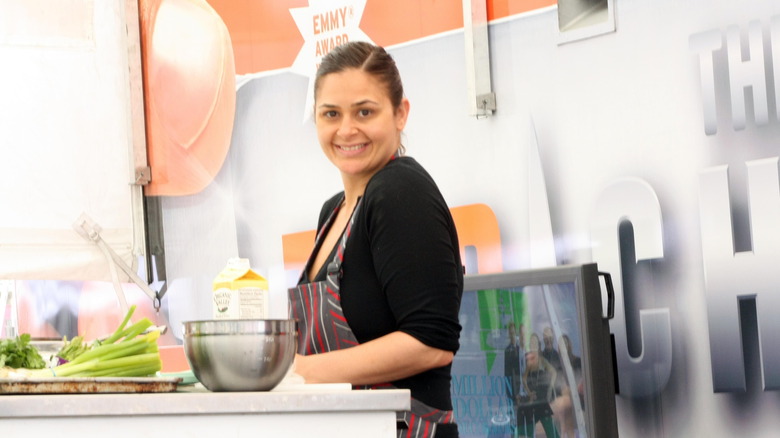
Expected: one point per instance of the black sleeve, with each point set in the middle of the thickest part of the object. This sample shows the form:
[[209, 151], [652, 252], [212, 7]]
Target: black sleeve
[[416, 254]]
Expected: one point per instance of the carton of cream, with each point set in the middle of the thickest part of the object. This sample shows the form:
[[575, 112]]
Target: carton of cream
[[240, 292]]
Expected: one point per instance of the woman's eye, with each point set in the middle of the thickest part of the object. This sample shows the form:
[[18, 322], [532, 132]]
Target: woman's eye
[[330, 114], [365, 112]]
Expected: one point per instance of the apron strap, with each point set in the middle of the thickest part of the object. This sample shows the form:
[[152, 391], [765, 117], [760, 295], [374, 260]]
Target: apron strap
[[318, 239]]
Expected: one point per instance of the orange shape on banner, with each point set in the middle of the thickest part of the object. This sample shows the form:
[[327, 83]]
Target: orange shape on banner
[[263, 32], [503, 8], [190, 94], [265, 36], [296, 248], [478, 228], [390, 23], [476, 224]]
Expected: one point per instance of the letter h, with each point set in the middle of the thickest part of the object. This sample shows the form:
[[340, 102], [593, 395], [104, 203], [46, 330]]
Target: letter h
[[730, 276]]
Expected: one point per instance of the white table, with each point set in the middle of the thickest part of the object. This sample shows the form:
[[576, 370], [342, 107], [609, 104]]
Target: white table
[[295, 411]]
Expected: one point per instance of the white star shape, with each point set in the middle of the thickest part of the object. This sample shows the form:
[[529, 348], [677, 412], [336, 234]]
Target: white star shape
[[324, 24]]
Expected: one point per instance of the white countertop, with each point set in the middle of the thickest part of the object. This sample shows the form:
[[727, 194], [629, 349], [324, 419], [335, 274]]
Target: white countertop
[[295, 411], [198, 400]]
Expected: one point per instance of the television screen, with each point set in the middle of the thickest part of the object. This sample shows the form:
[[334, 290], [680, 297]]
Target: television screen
[[536, 356]]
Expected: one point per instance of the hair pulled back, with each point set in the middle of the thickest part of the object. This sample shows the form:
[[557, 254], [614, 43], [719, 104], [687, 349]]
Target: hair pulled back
[[367, 57]]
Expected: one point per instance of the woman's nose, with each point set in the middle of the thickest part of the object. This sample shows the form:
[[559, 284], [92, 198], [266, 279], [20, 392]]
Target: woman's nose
[[347, 126]]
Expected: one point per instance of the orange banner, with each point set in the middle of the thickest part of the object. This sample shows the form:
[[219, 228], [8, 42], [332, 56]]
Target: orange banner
[[265, 36], [477, 227]]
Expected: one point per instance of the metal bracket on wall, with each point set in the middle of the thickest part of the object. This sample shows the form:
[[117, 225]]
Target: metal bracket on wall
[[487, 102], [482, 100], [143, 176], [155, 259]]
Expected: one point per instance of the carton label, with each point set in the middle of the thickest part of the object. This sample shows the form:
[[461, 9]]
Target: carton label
[[222, 299], [252, 303], [244, 303]]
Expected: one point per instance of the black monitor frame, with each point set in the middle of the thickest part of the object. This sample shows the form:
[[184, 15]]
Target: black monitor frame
[[596, 344]]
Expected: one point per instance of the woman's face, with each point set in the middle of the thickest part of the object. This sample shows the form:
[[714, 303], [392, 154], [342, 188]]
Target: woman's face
[[532, 360], [357, 126]]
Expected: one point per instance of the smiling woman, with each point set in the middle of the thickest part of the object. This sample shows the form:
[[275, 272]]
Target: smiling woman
[[386, 261], [358, 126]]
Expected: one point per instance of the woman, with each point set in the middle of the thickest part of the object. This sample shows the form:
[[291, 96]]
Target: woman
[[539, 382], [378, 300]]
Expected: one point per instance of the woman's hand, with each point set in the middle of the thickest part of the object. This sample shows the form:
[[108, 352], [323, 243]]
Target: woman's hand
[[391, 357]]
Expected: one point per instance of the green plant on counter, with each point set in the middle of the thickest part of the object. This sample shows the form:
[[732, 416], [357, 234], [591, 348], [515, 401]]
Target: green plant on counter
[[126, 353], [71, 349], [18, 353]]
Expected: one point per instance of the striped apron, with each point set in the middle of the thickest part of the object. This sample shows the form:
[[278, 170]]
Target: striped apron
[[322, 327]]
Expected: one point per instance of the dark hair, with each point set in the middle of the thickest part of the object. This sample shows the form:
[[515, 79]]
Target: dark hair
[[368, 57]]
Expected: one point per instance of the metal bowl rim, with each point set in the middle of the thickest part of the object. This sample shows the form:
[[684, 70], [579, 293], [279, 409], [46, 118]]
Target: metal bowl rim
[[241, 327]]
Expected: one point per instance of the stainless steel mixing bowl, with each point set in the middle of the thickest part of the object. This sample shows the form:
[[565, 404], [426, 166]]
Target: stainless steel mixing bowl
[[240, 355]]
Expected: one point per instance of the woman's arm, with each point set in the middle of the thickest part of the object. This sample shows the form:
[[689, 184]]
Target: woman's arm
[[391, 357], [553, 373], [525, 385]]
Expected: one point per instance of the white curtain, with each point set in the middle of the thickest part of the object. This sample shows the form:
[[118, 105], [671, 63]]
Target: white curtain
[[71, 121]]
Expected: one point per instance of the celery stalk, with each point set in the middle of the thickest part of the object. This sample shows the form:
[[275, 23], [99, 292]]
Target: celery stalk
[[100, 351], [118, 332], [137, 328], [68, 371], [130, 371], [125, 361], [142, 367], [135, 366], [136, 346]]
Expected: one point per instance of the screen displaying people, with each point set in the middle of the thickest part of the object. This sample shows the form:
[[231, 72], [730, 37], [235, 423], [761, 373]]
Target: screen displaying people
[[530, 338]]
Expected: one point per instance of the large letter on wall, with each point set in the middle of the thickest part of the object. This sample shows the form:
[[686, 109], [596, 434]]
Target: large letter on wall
[[730, 276], [634, 201], [747, 74], [705, 44]]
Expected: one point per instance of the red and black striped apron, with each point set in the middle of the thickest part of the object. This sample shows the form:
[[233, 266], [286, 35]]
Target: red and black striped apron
[[322, 327]]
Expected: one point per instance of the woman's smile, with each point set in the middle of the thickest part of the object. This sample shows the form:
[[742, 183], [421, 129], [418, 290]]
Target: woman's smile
[[352, 148]]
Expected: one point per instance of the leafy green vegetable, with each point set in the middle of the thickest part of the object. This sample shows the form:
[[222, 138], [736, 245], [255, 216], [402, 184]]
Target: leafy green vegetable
[[18, 353], [126, 353], [72, 349]]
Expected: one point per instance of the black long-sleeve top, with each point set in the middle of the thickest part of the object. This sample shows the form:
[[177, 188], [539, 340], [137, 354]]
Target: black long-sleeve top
[[402, 269]]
